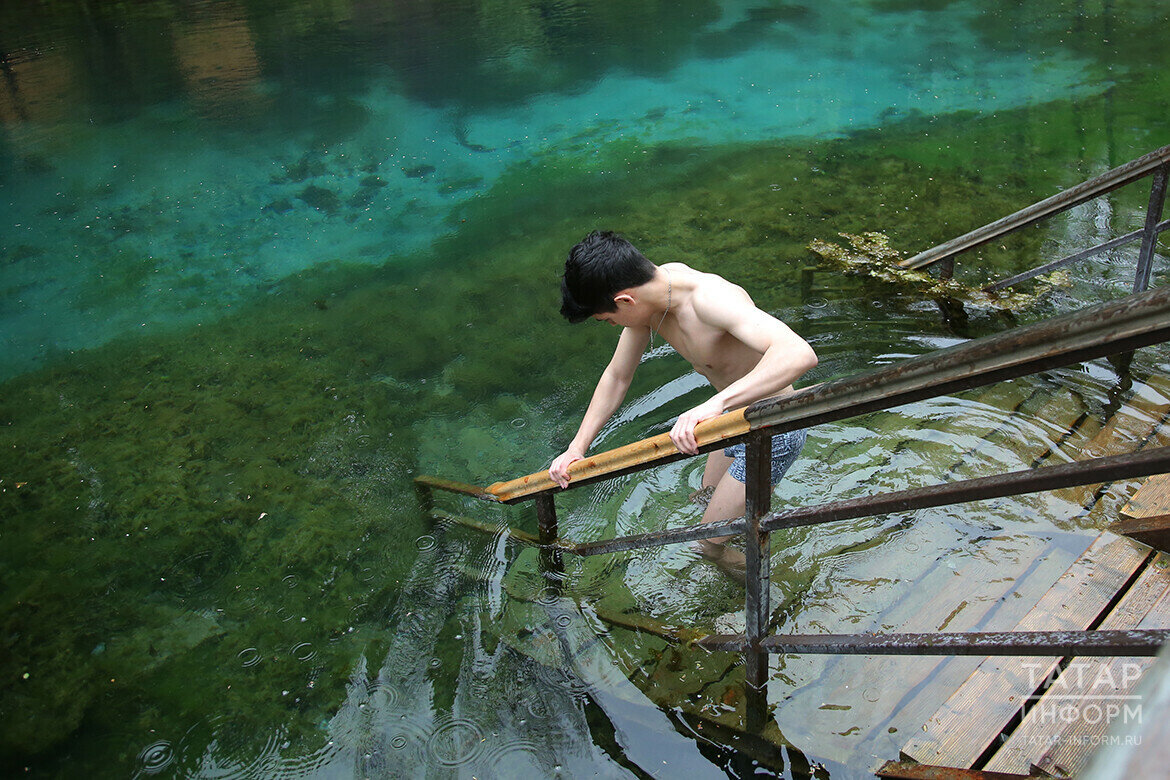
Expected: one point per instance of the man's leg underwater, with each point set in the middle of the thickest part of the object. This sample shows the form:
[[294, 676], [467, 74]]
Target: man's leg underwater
[[727, 501], [717, 465]]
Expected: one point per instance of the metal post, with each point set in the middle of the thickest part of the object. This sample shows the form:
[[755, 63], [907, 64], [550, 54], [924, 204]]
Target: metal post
[[426, 499], [1150, 233], [806, 282], [947, 268], [551, 563], [758, 502], [756, 700]]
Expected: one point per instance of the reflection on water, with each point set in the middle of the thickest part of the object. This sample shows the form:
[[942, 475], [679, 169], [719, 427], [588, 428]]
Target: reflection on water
[[261, 264]]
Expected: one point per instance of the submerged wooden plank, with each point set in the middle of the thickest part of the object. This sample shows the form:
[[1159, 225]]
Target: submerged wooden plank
[[974, 716], [927, 696], [1141, 419], [1014, 438], [861, 691], [1147, 516], [1067, 722]]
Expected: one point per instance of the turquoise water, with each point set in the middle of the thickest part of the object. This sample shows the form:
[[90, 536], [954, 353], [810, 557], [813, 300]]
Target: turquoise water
[[262, 263]]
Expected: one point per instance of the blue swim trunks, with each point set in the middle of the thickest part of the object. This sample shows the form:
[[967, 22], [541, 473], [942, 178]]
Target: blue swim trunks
[[785, 449]]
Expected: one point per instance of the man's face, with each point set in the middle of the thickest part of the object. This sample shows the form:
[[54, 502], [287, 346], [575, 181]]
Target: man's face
[[610, 317]]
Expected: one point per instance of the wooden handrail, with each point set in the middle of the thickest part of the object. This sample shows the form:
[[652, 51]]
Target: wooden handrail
[[1062, 201], [653, 451]]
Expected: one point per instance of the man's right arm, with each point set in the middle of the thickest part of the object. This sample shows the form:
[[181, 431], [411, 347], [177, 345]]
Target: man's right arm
[[607, 397]]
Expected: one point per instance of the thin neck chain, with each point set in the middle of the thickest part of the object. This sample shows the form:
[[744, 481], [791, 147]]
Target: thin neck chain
[[669, 289]]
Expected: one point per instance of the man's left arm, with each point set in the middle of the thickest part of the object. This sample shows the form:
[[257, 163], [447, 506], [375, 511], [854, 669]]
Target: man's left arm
[[785, 357]]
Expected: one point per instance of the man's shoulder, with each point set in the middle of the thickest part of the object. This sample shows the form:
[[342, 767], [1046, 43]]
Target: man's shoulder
[[712, 293]]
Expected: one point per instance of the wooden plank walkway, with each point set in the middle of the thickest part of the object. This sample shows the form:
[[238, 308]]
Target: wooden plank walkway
[[1022, 716], [1060, 730], [1141, 421], [1147, 516], [1018, 717], [972, 719], [996, 716], [861, 706]]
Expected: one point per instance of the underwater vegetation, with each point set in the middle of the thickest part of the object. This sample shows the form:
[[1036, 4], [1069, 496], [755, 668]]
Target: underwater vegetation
[[205, 525]]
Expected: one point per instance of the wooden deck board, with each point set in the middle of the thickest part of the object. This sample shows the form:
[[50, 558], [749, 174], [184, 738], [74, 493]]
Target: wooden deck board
[[928, 695], [973, 717], [1075, 752], [1152, 501], [918, 453], [1147, 515], [860, 690], [1059, 413], [1044, 737]]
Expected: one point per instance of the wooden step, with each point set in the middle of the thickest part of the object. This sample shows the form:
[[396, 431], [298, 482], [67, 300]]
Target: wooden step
[[931, 445], [920, 701], [1142, 418], [975, 715], [1152, 501], [1053, 410], [867, 696], [1147, 515], [1059, 732]]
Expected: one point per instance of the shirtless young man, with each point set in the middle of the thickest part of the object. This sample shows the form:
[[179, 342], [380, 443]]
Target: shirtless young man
[[745, 353]]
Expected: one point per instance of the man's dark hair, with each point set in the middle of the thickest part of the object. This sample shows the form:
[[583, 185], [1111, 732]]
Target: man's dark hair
[[599, 267]]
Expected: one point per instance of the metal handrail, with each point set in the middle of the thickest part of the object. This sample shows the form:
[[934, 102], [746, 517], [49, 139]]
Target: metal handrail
[[1084, 472], [1132, 171], [1117, 326], [1136, 642]]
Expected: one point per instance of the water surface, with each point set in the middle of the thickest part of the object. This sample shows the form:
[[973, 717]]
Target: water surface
[[261, 264]]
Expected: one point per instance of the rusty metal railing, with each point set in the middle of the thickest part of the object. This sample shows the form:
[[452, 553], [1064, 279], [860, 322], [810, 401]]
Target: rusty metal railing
[[1155, 164], [1120, 326]]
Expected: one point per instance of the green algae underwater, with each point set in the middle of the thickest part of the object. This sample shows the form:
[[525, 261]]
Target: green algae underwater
[[213, 523], [242, 489]]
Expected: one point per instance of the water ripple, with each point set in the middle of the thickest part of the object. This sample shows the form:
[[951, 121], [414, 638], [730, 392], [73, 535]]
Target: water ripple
[[303, 651], [518, 758], [457, 742], [384, 695], [156, 757], [194, 575], [547, 596], [249, 656]]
